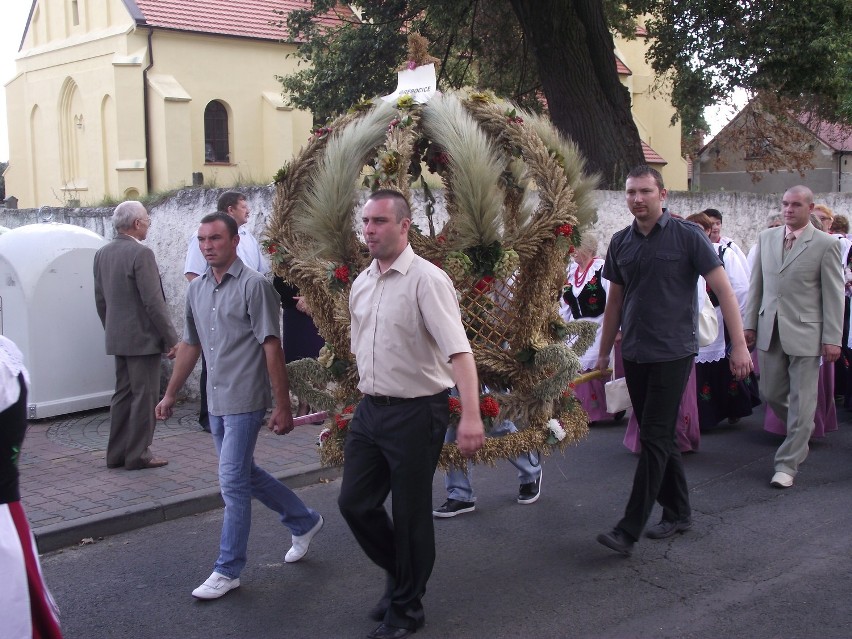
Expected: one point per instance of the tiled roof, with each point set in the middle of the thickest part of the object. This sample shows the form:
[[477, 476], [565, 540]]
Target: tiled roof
[[622, 68], [837, 136], [241, 18], [651, 156]]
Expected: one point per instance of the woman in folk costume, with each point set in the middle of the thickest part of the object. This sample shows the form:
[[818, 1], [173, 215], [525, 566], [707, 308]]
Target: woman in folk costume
[[719, 395], [687, 429], [825, 416], [584, 298], [27, 608]]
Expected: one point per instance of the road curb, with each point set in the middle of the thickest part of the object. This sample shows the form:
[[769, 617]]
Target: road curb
[[113, 522]]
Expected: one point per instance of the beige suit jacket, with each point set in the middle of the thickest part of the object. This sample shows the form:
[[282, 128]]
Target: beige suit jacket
[[803, 292], [129, 298]]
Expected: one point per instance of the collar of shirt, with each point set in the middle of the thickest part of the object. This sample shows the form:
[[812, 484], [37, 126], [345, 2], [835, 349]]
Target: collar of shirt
[[796, 234], [401, 264], [234, 270]]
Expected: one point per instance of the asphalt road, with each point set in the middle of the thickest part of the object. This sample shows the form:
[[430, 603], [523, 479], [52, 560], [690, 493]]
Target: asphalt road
[[760, 562]]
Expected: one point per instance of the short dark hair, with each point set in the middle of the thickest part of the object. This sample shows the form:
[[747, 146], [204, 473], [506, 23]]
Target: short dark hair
[[401, 207], [219, 216], [643, 170], [229, 199], [714, 213]]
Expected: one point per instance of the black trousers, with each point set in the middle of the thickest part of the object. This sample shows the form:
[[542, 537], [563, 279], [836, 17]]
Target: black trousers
[[395, 449], [655, 391]]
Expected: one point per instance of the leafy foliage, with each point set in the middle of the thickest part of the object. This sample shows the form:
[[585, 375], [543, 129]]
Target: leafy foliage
[[3, 166], [801, 52], [480, 44]]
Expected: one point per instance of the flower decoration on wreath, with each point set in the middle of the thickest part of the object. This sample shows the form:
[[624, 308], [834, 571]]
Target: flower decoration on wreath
[[500, 196]]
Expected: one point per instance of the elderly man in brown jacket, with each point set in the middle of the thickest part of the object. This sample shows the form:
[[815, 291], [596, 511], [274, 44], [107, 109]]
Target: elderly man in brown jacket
[[130, 302]]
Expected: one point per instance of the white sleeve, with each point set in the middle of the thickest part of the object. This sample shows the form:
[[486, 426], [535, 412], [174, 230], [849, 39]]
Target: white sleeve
[[249, 251], [738, 276], [195, 262]]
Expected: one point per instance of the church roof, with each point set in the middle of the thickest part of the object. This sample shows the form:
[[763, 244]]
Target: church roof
[[239, 18]]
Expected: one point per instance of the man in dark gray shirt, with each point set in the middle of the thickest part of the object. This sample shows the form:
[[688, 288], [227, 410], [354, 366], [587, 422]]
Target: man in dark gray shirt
[[653, 267], [232, 313]]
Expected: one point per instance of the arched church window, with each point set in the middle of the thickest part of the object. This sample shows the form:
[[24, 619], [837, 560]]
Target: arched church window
[[216, 133]]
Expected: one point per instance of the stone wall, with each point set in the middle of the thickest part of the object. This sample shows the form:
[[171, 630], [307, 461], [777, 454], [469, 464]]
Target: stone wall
[[175, 220]]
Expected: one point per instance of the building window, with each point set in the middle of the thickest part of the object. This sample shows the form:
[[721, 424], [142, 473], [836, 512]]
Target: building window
[[758, 148], [75, 13], [216, 133]]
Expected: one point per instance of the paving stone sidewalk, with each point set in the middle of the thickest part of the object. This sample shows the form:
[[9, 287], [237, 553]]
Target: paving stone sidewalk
[[69, 493]]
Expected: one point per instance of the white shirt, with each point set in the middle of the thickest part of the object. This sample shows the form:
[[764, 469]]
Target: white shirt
[[248, 250], [11, 365], [739, 279]]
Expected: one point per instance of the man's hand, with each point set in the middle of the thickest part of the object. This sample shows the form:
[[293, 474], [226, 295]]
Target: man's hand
[[750, 338], [830, 353], [740, 362], [164, 409], [603, 363], [470, 433], [172, 352], [281, 420]]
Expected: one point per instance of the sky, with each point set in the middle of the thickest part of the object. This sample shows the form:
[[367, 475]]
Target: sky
[[13, 19]]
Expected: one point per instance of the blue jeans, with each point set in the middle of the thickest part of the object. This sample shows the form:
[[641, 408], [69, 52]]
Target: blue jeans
[[240, 479], [458, 481]]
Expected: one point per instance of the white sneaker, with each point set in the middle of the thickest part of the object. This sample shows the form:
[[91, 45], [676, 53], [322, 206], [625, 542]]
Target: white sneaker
[[216, 585], [781, 480], [302, 542]]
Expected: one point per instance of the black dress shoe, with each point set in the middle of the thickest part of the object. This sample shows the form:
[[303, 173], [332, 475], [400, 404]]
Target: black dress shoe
[[116, 465], [667, 528], [151, 463], [617, 540], [390, 632]]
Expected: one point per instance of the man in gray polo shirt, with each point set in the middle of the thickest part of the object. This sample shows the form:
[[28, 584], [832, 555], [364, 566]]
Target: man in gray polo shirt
[[653, 267], [232, 313]]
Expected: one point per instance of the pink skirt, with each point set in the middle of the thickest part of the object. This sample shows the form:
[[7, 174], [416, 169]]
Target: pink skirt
[[688, 431], [825, 418], [592, 398]]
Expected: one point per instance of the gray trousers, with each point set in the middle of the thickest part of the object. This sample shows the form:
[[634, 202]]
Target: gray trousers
[[131, 431], [788, 383]]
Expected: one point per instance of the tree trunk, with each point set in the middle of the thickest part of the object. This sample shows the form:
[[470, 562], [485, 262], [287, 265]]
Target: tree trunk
[[575, 55]]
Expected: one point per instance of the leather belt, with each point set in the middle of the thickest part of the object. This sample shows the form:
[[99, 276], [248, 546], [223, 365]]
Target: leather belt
[[384, 400]]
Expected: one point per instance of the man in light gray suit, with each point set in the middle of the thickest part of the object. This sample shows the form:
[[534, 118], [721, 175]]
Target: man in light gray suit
[[130, 302], [794, 314]]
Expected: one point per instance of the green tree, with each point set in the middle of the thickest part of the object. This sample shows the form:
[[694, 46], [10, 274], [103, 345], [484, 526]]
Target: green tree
[[798, 52], [3, 166], [560, 52]]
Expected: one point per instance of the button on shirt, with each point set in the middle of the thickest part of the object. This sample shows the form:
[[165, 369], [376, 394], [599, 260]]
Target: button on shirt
[[405, 326], [231, 320], [659, 273]]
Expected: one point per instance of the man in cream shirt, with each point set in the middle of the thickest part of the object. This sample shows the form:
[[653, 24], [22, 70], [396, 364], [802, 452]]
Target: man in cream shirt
[[410, 347]]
